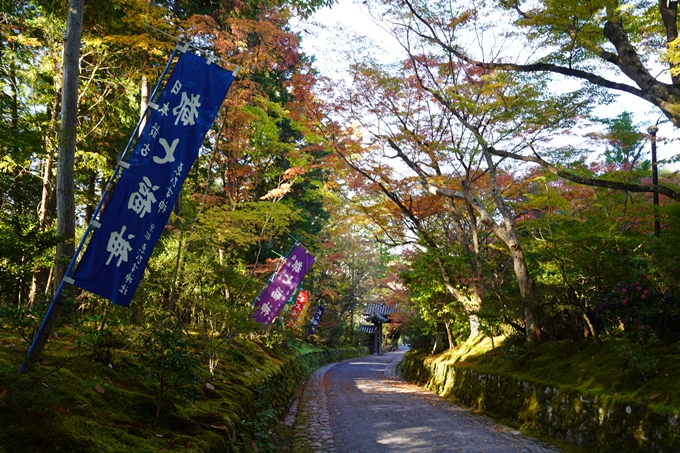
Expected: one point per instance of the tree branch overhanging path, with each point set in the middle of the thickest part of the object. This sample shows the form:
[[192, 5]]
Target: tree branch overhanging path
[[596, 44], [663, 95]]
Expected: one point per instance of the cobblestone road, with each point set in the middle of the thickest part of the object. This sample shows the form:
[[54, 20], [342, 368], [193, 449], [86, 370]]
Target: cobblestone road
[[362, 405]]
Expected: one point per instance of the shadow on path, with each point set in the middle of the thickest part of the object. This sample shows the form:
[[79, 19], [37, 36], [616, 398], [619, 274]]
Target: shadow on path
[[362, 405]]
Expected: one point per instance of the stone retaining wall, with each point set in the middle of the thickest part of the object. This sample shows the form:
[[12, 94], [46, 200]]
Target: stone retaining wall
[[598, 423]]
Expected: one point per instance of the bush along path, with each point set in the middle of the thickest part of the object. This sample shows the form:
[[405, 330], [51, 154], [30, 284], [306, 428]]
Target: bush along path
[[362, 405]]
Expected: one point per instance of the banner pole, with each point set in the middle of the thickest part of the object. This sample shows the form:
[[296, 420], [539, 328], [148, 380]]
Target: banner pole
[[58, 301]]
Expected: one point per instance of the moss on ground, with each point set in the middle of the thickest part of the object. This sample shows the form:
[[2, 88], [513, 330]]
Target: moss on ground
[[598, 369], [68, 403]]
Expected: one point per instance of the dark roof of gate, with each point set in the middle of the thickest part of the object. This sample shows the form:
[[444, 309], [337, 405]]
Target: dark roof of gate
[[382, 309], [369, 329]]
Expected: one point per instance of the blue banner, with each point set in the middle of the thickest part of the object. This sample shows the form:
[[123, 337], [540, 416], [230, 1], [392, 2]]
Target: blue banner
[[314, 324], [139, 207]]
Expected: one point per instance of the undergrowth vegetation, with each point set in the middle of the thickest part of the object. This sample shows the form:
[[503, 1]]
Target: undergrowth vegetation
[[594, 368], [155, 396]]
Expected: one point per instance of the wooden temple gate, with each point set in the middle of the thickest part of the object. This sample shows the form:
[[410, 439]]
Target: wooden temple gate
[[376, 315]]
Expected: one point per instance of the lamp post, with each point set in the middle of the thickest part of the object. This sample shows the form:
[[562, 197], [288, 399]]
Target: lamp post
[[655, 180]]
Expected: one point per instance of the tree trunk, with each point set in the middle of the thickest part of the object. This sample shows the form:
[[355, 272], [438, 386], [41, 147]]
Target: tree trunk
[[145, 88], [669, 16], [591, 328], [145, 93], [526, 289], [43, 217], [477, 250], [178, 280], [508, 234], [66, 224], [474, 326], [473, 302], [65, 173], [90, 197], [447, 325], [159, 397]]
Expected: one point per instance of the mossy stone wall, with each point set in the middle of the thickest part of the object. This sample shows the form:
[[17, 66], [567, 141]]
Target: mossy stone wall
[[598, 423]]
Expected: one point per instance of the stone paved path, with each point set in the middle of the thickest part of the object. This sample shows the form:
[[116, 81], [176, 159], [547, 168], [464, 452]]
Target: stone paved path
[[313, 424], [362, 405]]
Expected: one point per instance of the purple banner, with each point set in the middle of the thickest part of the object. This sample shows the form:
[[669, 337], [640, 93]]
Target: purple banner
[[283, 285]]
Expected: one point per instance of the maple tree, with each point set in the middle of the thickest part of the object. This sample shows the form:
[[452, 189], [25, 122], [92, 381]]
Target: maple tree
[[456, 113], [441, 120], [346, 275], [606, 47], [260, 173], [588, 41], [431, 143]]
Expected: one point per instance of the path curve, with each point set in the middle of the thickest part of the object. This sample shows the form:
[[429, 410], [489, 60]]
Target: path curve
[[363, 405]]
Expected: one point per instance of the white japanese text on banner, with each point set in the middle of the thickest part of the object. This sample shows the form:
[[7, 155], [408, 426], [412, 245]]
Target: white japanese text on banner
[[140, 205], [283, 285]]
